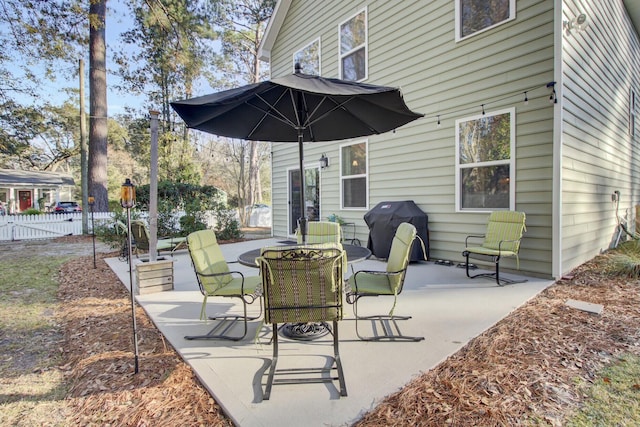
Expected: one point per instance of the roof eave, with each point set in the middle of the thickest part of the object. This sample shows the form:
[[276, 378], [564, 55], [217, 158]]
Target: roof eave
[[273, 28]]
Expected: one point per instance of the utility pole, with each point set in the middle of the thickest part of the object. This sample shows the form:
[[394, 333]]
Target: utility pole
[[84, 166]]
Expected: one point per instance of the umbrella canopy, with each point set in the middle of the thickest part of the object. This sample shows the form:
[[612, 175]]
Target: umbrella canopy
[[298, 108]]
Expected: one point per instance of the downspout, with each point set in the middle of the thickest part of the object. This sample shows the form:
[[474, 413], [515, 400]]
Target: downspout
[[556, 208]]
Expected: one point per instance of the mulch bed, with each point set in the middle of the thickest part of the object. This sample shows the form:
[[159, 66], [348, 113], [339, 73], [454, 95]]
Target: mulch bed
[[530, 367], [98, 348]]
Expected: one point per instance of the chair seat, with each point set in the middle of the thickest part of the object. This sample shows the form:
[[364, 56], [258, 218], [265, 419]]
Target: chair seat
[[233, 288], [489, 252], [377, 284]]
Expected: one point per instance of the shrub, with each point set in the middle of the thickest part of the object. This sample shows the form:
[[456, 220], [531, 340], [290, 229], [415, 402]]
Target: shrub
[[227, 227], [31, 211]]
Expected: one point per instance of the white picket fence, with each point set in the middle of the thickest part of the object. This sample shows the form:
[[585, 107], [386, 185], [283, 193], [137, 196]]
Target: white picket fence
[[47, 226], [51, 225]]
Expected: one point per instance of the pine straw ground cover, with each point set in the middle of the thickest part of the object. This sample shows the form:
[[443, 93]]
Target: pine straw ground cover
[[530, 368]]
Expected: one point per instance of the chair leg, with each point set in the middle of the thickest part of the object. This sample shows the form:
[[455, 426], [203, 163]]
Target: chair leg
[[336, 357], [293, 376], [226, 323], [274, 362], [388, 325], [496, 274]]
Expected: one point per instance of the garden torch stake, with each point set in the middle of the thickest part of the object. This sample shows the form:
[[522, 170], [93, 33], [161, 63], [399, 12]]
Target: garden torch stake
[[127, 200]]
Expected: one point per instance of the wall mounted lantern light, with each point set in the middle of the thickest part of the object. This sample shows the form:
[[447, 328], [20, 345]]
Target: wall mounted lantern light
[[324, 161]]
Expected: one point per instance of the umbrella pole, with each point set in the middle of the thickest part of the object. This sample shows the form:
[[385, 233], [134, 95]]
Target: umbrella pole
[[302, 221]]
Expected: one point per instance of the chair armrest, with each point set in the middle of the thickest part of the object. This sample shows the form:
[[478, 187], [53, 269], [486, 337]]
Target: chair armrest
[[506, 241], [473, 236], [220, 274]]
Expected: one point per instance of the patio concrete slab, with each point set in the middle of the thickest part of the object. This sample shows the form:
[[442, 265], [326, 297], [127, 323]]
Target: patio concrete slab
[[448, 309]]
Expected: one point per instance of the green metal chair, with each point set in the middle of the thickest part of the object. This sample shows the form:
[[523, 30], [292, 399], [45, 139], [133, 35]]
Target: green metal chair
[[321, 232], [370, 283], [502, 239], [140, 235], [215, 279], [302, 285]]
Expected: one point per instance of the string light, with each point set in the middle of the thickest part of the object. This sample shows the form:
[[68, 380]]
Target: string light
[[439, 116]]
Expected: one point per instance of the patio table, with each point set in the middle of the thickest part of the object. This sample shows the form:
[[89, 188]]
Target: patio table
[[354, 254]]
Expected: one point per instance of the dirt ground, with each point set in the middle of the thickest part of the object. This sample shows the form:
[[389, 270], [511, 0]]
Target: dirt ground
[[531, 368]]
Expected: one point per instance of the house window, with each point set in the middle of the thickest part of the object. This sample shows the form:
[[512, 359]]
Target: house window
[[353, 175], [475, 16], [308, 58], [353, 47], [485, 162]]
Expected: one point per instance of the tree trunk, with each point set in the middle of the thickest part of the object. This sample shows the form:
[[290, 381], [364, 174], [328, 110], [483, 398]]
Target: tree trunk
[[98, 106]]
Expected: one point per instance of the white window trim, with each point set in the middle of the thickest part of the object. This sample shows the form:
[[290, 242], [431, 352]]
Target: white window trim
[[365, 175], [293, 58], [366, 44], [511, 162], [458, 25]]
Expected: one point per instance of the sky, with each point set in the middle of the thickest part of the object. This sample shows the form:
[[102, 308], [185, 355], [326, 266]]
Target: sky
[[54, 91]]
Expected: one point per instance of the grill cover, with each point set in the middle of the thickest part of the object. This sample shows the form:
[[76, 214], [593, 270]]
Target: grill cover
[[384, 219]]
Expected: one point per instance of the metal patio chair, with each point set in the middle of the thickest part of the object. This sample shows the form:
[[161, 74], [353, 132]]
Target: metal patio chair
[[216, 279], [321, 232], [140, 235], [502, 239], [303, 284], [372, 283]]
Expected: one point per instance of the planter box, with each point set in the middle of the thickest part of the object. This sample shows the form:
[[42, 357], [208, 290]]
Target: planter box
[[154, 276]]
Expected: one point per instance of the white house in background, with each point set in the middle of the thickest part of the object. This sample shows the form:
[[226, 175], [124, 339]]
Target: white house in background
[[551, 87], [21, 190]]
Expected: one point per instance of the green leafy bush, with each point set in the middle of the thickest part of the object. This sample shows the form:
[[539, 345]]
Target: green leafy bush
[[31, 211]]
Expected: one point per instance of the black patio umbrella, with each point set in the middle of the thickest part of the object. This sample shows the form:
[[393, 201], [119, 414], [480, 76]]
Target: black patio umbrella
[[298, 108]]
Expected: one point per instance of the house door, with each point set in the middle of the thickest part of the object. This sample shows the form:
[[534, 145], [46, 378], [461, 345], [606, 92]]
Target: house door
[[25, 200], [311, 196]]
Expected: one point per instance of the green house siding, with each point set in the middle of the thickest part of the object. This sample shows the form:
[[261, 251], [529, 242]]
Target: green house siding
[[600, 66], [412, 45]]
